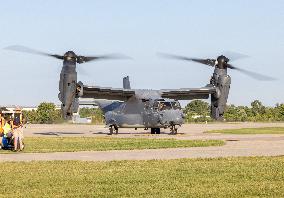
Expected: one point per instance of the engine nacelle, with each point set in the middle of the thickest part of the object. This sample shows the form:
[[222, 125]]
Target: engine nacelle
[[68, 94], [222, 82]]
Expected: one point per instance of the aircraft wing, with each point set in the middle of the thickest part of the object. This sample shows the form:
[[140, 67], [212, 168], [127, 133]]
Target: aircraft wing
[[107, 93], [188, 93]]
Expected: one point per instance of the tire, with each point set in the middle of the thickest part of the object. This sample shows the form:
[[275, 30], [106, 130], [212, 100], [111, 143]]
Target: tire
[[155, 130], [158, 131], [110, 131], [116, 129]]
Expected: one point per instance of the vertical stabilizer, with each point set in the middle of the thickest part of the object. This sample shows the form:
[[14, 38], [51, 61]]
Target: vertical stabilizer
[[126, 83]]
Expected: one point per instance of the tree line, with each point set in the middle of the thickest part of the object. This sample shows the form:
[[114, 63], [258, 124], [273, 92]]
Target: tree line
[[46, 113], [199, 111], [95, 113], [195, 111]]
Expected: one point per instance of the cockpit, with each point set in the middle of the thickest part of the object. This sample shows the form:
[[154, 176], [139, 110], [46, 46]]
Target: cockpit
[[166, 105]]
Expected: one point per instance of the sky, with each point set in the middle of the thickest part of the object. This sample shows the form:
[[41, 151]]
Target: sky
[[140, 29]]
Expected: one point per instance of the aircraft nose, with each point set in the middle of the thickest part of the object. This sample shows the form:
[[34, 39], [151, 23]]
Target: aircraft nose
[[170, 117]]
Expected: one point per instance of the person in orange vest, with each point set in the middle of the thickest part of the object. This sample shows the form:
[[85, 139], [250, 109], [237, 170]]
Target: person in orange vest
[[2, 123]]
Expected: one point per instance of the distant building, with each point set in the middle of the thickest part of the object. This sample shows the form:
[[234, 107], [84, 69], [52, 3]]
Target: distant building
[[27, 108], [199, 116], [87, 102], [12, 112]]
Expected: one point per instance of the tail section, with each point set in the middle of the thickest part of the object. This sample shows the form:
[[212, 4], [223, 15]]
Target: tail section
[[126, 83], [108, 105]]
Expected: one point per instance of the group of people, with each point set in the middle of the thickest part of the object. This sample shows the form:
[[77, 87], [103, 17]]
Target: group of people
[[11, 134]]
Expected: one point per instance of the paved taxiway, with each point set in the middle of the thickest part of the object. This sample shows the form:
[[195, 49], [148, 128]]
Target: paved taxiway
[[236, 145]]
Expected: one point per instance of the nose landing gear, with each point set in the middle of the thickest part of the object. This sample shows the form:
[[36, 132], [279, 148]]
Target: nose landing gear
[[155, 130], [173, 130]]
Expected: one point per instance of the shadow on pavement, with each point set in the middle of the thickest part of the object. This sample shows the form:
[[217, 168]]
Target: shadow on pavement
[[134, 133], [58, 133]]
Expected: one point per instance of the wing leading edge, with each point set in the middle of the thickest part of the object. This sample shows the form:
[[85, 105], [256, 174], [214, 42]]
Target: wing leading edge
[[121, 94], [107, 93], [188, 93]]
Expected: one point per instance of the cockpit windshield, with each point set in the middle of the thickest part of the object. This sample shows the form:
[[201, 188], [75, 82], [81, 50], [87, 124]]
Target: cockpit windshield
[[163, 105]]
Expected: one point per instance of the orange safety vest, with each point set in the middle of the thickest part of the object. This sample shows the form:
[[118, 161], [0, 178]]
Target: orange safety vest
[[2, 122]]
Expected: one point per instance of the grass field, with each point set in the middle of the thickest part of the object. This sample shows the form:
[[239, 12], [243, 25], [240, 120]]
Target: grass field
[[223, 177], [70, 144], [264, 130]]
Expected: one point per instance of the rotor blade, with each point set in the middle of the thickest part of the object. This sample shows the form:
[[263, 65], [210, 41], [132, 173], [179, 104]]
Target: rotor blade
[[84, 59], [24, 49], [234, 55], [210, 62], [254, 75]]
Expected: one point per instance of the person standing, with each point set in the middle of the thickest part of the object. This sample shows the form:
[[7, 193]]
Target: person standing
[[2, 123], [18, 137]]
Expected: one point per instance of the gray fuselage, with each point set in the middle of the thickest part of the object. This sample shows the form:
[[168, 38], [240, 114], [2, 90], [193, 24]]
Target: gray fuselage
[[144, 110]]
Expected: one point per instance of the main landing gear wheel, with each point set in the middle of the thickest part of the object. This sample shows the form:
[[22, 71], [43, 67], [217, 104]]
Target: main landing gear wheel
[[112, 128], [173, 130], [155, 130]]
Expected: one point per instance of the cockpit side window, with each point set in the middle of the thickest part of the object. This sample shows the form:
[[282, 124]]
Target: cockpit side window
[[156, 105], [165, 106], [176, 105]]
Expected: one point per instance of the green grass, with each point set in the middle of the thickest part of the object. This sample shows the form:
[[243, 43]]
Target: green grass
[[70, 144], [223, 177], [264, 130]]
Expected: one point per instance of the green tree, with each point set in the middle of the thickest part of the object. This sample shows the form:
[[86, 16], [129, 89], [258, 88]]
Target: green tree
[[47, 113], [241, 114], [87, 112], [95, 113], [230, 114], [30, 116], [269, 114], [198, 108], [279, 112], [257, 107]]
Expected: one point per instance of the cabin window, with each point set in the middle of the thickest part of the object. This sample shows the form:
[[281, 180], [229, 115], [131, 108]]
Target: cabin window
[[165, 106]]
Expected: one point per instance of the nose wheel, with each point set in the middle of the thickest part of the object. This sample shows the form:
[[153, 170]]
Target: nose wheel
[[155, 130]]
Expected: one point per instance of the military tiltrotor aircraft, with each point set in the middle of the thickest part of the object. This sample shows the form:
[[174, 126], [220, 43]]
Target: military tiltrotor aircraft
[[141, 108]]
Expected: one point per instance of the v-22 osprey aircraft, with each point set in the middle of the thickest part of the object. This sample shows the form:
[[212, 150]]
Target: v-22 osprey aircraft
[[141, 108]]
